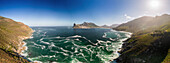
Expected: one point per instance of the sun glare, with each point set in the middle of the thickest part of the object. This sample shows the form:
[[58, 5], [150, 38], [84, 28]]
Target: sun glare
[[154, 4]]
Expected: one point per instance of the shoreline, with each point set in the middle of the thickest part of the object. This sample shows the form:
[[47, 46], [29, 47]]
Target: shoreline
[[22, 46], [117, 52], [129, 35]]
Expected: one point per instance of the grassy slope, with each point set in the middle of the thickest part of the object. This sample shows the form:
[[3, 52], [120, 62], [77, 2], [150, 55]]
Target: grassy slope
[[150, 41], [11, 33], [167, 59]]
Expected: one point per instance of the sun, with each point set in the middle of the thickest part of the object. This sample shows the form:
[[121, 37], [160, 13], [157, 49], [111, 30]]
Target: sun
[[155, 4]]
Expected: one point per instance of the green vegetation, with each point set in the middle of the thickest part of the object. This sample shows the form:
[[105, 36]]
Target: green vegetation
[[167, 59], [149, 42], [11, 34]]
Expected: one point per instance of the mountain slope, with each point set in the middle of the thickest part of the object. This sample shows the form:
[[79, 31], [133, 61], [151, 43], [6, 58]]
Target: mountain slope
[[149, 42], [111, 26], [143, 23], [11, 35]]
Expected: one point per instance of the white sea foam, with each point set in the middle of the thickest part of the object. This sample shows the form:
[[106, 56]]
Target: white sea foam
[[25, 48], [104, 36], [58, 37], [109, 45], [77, 39], [45, 42], [31, 35], [75, 61], [44, 34], [51, 45], [75, 36], [66, 41], [115, 47], [54, 62], [75, 50], [42, 47], [112, 39], [24, 53], [38, 62]]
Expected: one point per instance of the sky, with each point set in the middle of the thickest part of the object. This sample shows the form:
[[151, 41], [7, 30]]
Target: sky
[[67, 12]]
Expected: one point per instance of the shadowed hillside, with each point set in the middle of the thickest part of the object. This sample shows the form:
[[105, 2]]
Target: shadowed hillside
[[11, 35], [149, 42], [111, 26]]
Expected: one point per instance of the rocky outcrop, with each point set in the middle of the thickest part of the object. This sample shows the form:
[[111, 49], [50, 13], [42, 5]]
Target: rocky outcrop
[[12, 34]]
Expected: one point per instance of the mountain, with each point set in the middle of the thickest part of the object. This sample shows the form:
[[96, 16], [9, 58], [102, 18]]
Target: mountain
[[106, 26], [144, 23], [112, 26], [149, 42], [85, 25], [11, 35]]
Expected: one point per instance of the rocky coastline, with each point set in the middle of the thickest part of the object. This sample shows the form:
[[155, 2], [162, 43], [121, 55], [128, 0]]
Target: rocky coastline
[[12, 34], [149, 43]]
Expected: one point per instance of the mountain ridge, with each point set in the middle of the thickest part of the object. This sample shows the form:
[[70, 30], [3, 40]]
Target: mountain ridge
[[149, 42], [85, 25], [111, 26]]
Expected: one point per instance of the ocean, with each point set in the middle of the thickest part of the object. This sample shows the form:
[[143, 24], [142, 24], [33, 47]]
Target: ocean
[[63, 44]]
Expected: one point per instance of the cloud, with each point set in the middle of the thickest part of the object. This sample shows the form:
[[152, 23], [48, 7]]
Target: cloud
[[127, 17]]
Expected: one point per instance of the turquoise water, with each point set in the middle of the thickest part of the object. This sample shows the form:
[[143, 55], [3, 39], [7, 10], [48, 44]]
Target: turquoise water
[[66, 45]]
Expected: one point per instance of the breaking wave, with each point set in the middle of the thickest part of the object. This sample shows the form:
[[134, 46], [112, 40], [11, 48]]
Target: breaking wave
[[45, 47]]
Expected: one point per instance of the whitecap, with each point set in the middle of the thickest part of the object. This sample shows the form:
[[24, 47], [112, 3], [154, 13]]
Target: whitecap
[[66, 41], [75, 50], [38, 62], [77, 39], [104, 36], [45, 42], [75, 36], [112, 39], [75, 61], [59, 37]]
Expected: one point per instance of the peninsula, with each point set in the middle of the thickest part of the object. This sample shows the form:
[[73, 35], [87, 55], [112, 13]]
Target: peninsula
[[85, 25]]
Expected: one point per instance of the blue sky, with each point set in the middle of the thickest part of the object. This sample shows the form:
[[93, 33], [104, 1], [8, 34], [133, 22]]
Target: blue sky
[[67, 12]]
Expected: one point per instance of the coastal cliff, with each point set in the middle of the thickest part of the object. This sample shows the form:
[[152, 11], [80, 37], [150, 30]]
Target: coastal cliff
[[85, 25], [149, 42], [12, 34]]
